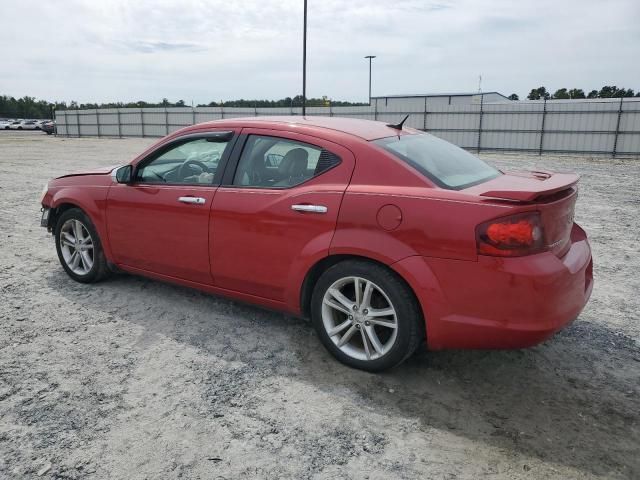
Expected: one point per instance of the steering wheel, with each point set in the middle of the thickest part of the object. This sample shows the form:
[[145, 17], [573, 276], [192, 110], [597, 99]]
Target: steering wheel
[[184, 170]]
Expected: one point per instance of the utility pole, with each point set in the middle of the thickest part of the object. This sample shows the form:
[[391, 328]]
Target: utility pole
[[370, 57], [304, 62]]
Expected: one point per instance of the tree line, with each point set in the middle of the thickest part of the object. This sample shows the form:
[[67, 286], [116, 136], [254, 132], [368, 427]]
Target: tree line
[[29, 107], [608, 91]]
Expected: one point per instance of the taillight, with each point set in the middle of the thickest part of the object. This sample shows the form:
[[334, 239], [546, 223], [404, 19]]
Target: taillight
[[512, 236]]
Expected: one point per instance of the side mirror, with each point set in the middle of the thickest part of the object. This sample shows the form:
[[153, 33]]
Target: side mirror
[[124, 174]]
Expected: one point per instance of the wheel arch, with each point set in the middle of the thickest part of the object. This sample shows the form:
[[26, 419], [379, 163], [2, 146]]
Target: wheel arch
[[314, 273], [57, 211]]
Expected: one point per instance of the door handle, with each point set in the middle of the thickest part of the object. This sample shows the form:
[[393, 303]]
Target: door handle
[[194, 200], [309, 208]]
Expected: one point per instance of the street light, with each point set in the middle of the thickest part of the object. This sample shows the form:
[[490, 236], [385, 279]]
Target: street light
[[304, 62], [370, 57]]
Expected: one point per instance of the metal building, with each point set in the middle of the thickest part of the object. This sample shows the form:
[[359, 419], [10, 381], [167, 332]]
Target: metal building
[[420, 101]]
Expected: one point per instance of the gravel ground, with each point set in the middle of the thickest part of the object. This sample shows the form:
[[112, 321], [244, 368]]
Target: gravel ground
[[133, 378]]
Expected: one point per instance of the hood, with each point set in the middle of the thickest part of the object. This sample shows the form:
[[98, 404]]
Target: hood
[[525, 186], [91, 171]]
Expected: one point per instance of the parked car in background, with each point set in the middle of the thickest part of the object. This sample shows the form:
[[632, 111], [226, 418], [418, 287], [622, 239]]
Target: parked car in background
[[13, 125], [385, 236], [48, 127], [25, 125], [4, 124]]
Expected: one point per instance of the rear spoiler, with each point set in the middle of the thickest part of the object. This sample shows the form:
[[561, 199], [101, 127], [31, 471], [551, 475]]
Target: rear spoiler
[[528, 187]]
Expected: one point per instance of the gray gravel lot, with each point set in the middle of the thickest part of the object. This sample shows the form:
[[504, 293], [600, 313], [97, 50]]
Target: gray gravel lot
[[133, 378]]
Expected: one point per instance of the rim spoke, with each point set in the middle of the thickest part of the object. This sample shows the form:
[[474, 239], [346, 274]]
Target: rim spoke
[[373, 338], [358, 291], [337, 294], [74, 260], [86, 260], [338, 328], [365, 342], [366, 296], [67, 243], [77, 230], [68, 237], [381, 312], [383, 323], [347, 336], [337, 306]]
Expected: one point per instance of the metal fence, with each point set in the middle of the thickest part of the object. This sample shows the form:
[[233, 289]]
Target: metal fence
[[602, 127]]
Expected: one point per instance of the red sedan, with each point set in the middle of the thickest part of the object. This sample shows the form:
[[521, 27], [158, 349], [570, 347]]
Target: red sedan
[[385, 236]]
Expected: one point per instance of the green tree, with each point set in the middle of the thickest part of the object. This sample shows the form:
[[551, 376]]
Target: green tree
[[576, 93], [593, 94], [538, 94], [514, 96], [561, 93]]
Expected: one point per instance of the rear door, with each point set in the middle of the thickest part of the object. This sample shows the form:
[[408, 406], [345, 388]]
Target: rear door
[[160, 222], [276, 210]]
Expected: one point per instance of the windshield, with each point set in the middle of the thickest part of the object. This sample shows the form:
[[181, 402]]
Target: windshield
[[445, 164]]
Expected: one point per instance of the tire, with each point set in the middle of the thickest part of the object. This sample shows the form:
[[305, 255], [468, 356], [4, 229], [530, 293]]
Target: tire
[[89, 267], [396, 336], [19, 128]]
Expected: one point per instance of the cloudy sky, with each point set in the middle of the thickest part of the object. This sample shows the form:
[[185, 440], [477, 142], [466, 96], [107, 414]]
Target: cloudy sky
[[203, 50]]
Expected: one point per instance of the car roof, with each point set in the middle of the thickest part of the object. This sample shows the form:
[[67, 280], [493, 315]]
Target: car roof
[[365, 129]]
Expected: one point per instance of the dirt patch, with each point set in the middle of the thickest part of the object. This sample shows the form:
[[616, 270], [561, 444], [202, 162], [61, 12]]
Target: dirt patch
[[132, 378]]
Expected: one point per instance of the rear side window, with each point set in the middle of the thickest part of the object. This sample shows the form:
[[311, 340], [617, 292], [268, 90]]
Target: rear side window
[[447, 165], [272, 162]]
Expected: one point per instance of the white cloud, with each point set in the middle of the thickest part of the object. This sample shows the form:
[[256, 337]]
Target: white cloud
[[215, 50]]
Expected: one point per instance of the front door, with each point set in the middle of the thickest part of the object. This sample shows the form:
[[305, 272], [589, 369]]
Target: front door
[[160, 222], [276, 210]]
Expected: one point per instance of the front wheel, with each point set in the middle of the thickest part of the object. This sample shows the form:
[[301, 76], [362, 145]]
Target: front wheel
[[79, 248], [366, 316]]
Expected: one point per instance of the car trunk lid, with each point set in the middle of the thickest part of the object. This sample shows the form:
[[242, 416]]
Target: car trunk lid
[[553, 194]]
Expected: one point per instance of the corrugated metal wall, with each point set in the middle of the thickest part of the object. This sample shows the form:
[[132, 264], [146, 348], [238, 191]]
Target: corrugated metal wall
[[603, 126]]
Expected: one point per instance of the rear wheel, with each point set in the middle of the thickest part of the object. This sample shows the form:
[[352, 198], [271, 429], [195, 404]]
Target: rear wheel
[[366, 316], [79, 248]]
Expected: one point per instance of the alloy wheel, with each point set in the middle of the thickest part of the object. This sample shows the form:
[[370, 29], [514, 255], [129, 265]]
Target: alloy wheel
[[76, 246], [359, 318]]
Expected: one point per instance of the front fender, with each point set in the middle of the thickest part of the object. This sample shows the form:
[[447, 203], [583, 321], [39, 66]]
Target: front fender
[[90, 199]]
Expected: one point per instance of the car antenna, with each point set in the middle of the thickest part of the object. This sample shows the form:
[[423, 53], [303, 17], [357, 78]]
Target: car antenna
[[398, 126]]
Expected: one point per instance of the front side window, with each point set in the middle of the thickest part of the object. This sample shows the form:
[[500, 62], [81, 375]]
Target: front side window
[[192, 162], [272, 162], [447, 165]]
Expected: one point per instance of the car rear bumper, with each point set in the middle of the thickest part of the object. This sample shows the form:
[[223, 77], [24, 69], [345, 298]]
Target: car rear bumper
[[505, 302]]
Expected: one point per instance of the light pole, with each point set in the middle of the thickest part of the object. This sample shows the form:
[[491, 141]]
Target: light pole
[[304, 62], [370, 57]]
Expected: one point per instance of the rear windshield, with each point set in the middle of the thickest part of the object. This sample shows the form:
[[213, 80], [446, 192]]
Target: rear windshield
[[445, 164]]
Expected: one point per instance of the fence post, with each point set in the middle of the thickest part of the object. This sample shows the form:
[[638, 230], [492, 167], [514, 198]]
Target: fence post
[[166, 121], [330, 109], [119, 124], [424, 120], [66, 124], [78, 121], [98, 121], [375, 110], [544, 116], [221, 111], [480, 122], [615, 139], [193, 115], [142, 121], [255, 110]]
